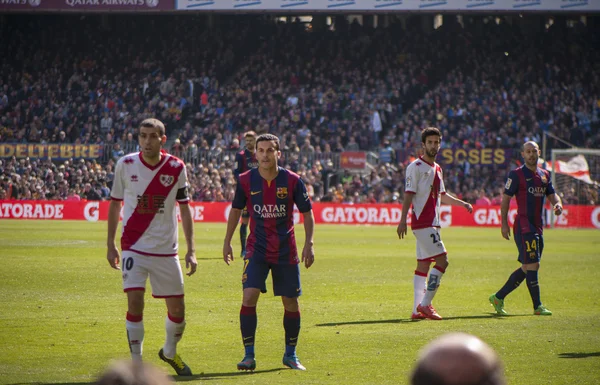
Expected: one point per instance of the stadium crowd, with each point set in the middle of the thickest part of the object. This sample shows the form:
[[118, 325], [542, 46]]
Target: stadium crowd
[[91, 80]]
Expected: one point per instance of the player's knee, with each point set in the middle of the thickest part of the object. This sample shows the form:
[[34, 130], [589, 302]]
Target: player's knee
[[250, 298], [290, 304], [530, 266], [135, 303]]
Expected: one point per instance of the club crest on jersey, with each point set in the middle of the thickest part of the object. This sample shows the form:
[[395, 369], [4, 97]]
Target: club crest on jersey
[[544, 179], [167, 180], [281, 192]]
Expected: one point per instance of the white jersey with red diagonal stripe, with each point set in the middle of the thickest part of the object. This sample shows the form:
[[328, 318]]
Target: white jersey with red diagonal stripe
[[149, 194], [426, 182]]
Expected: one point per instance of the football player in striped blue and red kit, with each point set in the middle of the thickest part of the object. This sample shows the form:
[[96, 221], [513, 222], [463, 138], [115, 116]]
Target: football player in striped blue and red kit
[[529, 184], [244, 161], [269, 193]]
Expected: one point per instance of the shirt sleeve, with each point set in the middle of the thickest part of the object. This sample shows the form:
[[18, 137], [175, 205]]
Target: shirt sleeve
[[411, 182], [239, 164], [512, 184], [240, 198], [182, 187], [550, 189], [442, 185], [301, 198], [118, 188]]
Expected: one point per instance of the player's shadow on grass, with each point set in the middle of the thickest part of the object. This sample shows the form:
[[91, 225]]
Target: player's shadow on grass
[[216, 376], [54, 383], [578, 355], [403, 320]]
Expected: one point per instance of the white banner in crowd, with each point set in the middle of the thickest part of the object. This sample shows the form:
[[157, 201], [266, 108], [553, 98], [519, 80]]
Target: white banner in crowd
[[389, 5], [576, 167]]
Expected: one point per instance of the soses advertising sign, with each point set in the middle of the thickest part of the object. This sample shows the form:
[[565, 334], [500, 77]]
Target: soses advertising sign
[[87, 5], [376, 214]]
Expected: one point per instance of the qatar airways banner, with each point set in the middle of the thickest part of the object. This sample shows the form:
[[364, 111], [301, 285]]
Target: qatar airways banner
[[87, 5], [389, 5], [374, 214]]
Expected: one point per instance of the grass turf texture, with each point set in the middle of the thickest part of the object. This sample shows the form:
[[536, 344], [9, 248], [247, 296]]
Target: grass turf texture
[[62, 308]]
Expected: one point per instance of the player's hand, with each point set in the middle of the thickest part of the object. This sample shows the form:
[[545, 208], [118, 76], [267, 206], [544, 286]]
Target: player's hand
[[308, 255], [190, 262], [505, 231], [558, 209], [113, 257], [401, 230], [227, 253], [469, 207]]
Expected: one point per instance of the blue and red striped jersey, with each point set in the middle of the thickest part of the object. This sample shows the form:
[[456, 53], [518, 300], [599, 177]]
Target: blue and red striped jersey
[[529, 189], [244, 160], [271, 209]]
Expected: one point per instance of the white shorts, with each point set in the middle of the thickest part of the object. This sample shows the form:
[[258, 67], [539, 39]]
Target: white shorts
[[429, 243], [166, 277]]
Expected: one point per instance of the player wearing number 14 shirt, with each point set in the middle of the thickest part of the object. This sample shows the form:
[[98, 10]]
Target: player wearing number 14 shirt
[[529, 184], [149, 184], [425, 190]]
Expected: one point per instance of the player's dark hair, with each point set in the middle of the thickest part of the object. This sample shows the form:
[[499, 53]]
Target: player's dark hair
[[268, 138], [154, 123], [250, 133], [429, 131]]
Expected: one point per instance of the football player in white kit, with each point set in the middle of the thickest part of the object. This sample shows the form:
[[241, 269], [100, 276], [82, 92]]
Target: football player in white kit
[[424, 189], [150, 183]]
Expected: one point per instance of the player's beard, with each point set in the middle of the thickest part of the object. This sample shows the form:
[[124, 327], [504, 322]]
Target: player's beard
[[532, 163], [431, 153]]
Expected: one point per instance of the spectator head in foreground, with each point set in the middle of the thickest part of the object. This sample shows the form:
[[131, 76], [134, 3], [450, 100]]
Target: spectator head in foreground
[[133, 373], [458, 359]]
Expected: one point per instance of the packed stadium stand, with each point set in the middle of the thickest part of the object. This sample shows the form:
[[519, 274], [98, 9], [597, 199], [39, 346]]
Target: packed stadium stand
[[485, 81]]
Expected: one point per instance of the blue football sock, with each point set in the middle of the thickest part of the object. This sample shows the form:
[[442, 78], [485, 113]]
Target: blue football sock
[[248, 321], [291, 325], [534, 288], [513, 282]]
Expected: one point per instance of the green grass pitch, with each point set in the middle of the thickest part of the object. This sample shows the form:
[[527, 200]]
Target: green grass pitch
[[62, 308]]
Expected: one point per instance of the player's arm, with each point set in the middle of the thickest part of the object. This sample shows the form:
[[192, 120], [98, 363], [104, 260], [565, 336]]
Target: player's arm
[[556, 203], [187, 222], [510, 189], [238, 204], [112, 254], [308, 252], [402, 227], [504, 206], [448, 199], [232, 222]]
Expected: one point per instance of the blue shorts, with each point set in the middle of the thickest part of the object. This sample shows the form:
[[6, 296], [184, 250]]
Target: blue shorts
[[286, 278], [245, 213], [530, 247]]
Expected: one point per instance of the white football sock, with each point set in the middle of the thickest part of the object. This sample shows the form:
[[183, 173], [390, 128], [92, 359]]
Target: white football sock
[[174, 332], [435, 276], [419, 289], [135, 336]]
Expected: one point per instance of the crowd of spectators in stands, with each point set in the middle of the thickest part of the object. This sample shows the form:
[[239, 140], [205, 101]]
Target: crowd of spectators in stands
[[91, 80]]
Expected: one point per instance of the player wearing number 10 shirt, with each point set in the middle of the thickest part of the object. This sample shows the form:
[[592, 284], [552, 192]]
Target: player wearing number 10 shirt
[[529, 184], [150, 183], [425, 190]]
